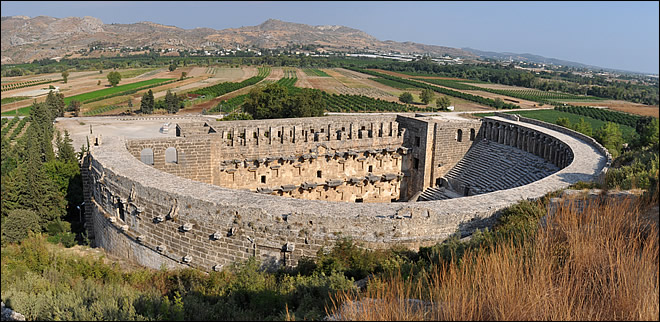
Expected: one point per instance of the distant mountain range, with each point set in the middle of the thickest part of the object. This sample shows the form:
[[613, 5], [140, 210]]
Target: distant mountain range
[[25, 39]]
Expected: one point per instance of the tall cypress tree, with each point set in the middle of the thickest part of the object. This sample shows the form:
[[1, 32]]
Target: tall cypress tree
[[55, 102], [41, 125], [65, 151], [147, 104], [29, 187]]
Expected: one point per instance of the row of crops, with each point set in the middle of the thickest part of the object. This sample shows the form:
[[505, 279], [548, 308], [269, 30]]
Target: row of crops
[[7, 100], [118, 90], [393, 83], [465, 96], [601, 114], [289, 80], [15, 126], [315, 72], [361, 103], [17, 85], [102, 110], [9, 126], [226, 87], [228, 106], [526, 94], [450, 83]]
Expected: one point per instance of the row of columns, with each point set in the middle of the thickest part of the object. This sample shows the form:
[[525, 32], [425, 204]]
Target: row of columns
[[528, 140], [292, 134]]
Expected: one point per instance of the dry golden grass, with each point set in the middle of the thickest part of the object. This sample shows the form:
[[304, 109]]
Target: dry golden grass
[[600, 263]]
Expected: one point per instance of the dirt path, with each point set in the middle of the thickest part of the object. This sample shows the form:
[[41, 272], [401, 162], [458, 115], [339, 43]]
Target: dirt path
[[303, 79]]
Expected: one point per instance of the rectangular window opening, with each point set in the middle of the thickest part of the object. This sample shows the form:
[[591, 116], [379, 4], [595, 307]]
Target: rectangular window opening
[[263, 179], [319, 174]]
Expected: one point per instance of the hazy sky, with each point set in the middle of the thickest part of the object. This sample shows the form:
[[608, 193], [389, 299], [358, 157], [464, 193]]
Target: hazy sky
[[620, 35]]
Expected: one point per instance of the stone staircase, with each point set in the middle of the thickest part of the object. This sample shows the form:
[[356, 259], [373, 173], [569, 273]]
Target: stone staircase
[[489, 166], [437, 193]]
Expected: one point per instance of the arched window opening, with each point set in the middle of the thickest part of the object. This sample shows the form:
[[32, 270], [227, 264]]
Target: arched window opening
[[171, 155], [459, 135], [472, 134], [147, 156]]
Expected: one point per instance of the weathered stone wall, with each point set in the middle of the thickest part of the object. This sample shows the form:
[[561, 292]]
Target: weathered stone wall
[[451, 141], [154, 217], [192, 157]]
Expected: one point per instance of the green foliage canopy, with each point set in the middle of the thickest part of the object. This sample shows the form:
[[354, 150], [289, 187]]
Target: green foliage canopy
[[406, 97]]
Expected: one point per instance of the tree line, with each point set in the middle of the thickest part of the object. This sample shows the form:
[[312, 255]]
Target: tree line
[[41, 186]]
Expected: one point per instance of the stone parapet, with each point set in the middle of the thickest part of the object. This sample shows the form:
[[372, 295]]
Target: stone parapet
[[158, 218]]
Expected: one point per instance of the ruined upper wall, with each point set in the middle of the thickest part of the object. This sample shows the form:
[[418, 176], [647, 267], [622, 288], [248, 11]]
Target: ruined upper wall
[[154, 217]]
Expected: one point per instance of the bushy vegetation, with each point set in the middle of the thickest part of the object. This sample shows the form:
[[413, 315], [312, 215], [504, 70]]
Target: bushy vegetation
[[276, 101]]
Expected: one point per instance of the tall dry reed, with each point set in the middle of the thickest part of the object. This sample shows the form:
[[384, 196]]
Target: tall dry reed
[[599, 262]]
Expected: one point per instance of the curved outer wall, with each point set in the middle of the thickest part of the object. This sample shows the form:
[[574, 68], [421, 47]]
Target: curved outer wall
[[157, 218]]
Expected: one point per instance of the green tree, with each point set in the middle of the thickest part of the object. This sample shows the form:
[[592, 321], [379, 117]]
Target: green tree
[[267, 102], [114, 78], [172, 102], [583, 127], [74, 106], [647, 129], [183, 75], [406, 97], [29, 187], [498, 103], [565, 122], [147, 105], [443, 102], [609, 135], [65, 151], [237, 116], [172, 67], [18, 224], [427, 95], [65, 76], [275, 101], [55, 102], [305, 103], [41, 129]]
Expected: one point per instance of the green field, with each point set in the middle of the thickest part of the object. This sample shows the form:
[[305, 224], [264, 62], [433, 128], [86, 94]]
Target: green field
[[315, 72], [393, 83], [114, 90], [136, 72], [7, 100], [551, 116], [24, 111]]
